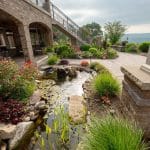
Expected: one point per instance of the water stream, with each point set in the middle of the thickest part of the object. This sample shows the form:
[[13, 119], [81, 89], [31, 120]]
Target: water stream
[[67, 89]]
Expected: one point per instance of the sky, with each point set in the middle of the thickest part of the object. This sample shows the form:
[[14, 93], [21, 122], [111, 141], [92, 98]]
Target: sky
[[135, 14]]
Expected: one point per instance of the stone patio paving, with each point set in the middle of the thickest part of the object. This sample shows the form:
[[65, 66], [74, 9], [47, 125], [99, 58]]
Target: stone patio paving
[[124, 59], [114, 64], [41, 59]]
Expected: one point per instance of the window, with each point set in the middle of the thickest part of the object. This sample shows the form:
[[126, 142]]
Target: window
[[35, 1], [10, 39], [2, 40], [34, 36], [39, 2]]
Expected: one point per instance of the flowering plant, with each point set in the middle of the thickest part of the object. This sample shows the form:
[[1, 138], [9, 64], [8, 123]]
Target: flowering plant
[[15, 82], [29, 71]]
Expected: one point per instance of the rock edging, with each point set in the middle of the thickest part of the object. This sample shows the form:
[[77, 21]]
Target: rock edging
[[36, 108]]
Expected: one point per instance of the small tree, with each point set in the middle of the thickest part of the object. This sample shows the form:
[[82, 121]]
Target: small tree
[[114, 31], [91, 31]]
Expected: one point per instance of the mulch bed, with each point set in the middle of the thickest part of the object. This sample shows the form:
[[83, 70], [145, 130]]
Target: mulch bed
[[97, 106]]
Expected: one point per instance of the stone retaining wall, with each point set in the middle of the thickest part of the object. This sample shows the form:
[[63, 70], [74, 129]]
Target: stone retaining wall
[[136, 98]]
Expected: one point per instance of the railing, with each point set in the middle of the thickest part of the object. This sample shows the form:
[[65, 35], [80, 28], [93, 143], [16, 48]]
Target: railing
[[64, 20], [61, 18]]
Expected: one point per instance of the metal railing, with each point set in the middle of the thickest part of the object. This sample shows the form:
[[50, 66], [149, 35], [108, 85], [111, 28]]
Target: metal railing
[[64, 20]]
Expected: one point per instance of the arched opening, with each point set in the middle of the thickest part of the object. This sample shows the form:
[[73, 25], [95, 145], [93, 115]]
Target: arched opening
[[40, 37], [10, 43]]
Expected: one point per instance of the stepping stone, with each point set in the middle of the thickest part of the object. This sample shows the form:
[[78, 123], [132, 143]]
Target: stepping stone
[[77, 109]]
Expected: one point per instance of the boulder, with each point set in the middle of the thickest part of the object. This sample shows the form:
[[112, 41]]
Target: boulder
[[77, 109], [7, 131], [3, 146], [45, 67], [36, 97], [40, 104], [26, 119], [72, 73], [61, 73], [24, 130]]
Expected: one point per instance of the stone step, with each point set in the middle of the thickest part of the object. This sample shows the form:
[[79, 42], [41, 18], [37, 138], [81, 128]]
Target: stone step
[[77, 109]]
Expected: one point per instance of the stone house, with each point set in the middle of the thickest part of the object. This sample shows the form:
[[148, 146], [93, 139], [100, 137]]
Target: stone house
[[26, 27]]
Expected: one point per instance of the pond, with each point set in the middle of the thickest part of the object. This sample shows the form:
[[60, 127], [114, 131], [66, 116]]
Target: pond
[[67, 88]]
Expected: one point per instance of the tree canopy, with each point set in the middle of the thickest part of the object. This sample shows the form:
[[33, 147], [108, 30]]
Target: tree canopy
[[90, 31], [114, 31]]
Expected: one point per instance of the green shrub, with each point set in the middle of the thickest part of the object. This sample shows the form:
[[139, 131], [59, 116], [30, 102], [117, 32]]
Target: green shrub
[[112, 53], [144, 47], [86, 54], [113, 134], [52, 60], [96, 53], [16, 82], [100, 53], [98, 67], [93, 51], [49, 49], [106, 85], [94, 64], [64, 50], [85, 47], [131, 48], [23, 90]]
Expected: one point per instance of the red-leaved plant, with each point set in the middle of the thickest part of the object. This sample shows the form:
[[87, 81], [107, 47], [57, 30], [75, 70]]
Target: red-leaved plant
[[11, 111], [84, 63]]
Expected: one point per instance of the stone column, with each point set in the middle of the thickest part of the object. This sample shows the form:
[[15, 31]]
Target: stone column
[[73, 42], [46, 5], [26, 42], [148, 57], [146, 67], [136, 95], [49, 37]]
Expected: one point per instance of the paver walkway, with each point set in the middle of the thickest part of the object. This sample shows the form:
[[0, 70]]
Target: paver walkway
[[114, 64]]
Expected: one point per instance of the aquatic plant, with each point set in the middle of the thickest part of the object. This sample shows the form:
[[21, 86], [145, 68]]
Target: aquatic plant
[[57, 134]]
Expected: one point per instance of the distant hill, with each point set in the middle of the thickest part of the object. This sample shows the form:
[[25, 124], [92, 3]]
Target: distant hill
[[137, 38]]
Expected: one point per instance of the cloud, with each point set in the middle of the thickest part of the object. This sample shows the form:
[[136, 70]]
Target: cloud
[[142, 28], [133, 13]]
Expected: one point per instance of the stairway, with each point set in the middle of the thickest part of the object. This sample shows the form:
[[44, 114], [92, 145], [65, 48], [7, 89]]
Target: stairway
[[65, 24]]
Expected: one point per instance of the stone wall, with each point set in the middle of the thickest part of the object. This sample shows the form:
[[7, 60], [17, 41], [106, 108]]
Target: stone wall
[[24, 13], [136, 98]]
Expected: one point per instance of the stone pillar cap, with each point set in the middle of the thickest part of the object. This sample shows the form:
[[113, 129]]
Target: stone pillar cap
[[140, 77]]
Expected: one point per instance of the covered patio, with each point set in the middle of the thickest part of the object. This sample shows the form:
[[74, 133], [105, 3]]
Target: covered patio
[[13, 42], [10, 43]]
